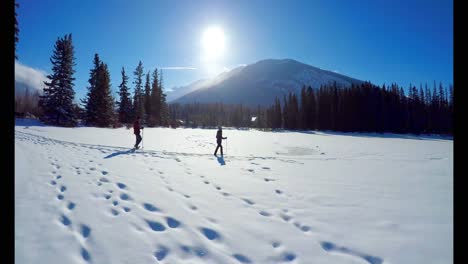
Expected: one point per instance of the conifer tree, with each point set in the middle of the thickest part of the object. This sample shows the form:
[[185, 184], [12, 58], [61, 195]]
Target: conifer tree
[[147, 98], [57, 99], [138, 104], [125, 104]]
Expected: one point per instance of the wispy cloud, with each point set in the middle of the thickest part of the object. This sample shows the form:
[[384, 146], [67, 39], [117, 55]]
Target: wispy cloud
[[29, 76], [177, 68]]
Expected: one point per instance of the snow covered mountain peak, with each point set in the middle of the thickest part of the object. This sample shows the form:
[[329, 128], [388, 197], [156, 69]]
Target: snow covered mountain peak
[[259, 83]]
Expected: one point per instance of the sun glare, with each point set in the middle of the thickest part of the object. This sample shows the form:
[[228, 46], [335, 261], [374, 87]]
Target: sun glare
[[213, 42]]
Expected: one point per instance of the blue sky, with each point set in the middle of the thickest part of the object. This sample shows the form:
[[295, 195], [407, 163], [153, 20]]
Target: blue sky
[[380, 41]]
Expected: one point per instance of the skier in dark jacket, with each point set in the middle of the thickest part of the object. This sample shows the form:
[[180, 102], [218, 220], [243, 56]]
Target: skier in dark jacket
[[136, 131], [219, 138]]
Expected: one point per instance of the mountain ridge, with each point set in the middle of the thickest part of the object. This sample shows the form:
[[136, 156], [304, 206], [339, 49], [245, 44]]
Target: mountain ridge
[[259, 83]]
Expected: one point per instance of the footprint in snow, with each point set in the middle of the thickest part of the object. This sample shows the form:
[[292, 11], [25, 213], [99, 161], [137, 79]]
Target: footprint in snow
[[85, 254], [104, 179], [161, 253], [65, 220], [210, 233], [288, 256], [264, 213], [285, 217], [197, 251], [85, 230], [155, 226], [172, 222], [71, 205], [331, 247], [151, 207], [241, 258], [125, 197], [250, 202]]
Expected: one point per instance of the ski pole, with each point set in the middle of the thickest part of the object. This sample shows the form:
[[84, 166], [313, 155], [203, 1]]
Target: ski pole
[[143, 137]]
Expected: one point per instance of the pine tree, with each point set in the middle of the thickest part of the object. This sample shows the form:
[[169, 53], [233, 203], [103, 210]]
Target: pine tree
[[155, 116], [285, 123], [104, 99], [138, 106], [334, 106], [294, 111], [277, 114], [125, 104], [311, 112], [303, 109], [147, 98], [442, 97], [90, 102], [99, 103], [57, 100], [163, 105]]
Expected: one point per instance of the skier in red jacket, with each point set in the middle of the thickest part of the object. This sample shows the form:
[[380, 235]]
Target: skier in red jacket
[[136, 131]]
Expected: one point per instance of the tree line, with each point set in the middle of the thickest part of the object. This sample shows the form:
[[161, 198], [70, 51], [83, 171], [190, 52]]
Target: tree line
[[359, 108], [211, 115], [366, 108], [100, 109]]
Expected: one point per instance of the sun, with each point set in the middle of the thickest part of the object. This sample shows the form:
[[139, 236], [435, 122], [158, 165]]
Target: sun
[[213, 42]]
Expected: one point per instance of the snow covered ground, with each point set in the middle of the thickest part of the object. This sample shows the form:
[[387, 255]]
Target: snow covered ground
[[82, 196]]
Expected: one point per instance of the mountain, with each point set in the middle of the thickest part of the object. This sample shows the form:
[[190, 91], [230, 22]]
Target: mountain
[[260, 83], [201, 84]]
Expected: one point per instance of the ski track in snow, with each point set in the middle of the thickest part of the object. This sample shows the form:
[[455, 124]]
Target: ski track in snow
[[121, 202]]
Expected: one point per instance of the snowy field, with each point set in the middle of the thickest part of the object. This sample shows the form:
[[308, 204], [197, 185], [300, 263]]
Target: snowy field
[[82, 196]]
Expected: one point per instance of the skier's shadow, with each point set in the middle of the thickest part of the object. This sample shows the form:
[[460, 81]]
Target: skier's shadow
[[221, 160], [120, 153]]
